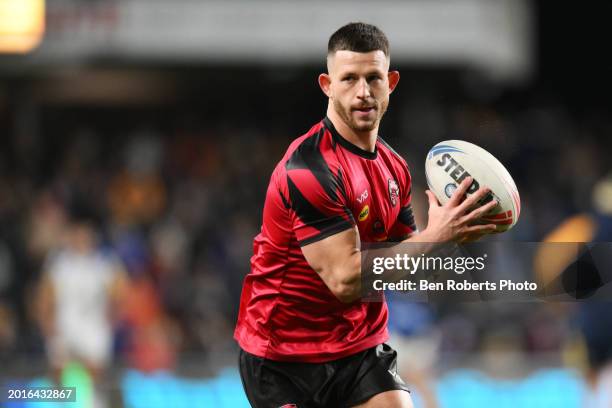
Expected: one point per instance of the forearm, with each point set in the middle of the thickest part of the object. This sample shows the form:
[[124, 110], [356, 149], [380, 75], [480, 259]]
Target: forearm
[[447, 224], [419, 244]]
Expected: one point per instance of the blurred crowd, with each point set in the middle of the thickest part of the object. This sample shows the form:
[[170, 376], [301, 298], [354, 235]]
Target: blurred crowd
[[175, 197], [178, 210]]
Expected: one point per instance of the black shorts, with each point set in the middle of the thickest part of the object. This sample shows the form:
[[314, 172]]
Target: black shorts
[[340, 383]]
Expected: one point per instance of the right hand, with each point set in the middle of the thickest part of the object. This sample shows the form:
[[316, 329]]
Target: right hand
[[454, 221]]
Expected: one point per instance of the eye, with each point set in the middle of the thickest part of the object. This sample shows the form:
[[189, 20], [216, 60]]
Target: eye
[[348, 78], [374, 77]]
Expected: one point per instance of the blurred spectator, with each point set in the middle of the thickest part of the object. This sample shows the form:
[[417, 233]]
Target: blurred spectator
[[8, 320], [152, 335], [78, 296], [8, 329]]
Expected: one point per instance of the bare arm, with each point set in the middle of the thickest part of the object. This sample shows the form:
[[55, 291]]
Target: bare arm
[[337, 259], [118, 291], [44, 305]]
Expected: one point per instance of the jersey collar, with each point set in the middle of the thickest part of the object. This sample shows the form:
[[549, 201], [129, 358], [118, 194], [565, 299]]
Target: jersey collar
[[348, 145]]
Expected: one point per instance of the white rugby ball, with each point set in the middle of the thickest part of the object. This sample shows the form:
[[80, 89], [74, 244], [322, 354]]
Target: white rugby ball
[[451, 161]]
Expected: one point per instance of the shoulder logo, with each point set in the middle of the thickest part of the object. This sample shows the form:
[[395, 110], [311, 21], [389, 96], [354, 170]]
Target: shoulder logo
[[365, 211], [393, 192]]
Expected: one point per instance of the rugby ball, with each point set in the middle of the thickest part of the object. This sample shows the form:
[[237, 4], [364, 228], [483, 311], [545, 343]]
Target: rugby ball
[[451, 161]]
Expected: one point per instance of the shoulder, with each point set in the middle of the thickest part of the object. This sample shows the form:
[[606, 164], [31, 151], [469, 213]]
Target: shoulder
[[56, 264], [391, 152], [394, 158], [311, 150], [311, 170], [107, 256], [55, 258], [314, 152]]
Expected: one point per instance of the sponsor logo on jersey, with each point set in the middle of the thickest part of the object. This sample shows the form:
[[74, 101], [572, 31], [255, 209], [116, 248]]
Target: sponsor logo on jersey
[[288, 406], [393, 192], [363, 197], [365, 211]]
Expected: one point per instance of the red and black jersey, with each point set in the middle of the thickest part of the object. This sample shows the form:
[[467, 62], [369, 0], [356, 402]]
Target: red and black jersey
[[323, 185]]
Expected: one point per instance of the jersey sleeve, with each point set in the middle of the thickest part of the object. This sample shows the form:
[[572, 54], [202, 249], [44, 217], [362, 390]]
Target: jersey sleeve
[[317, 196], [405, 225]]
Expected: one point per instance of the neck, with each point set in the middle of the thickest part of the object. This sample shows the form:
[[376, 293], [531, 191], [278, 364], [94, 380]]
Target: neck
[[365, 140]]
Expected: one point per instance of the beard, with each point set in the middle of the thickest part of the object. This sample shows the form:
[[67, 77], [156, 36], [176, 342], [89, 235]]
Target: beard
[[346, 113]]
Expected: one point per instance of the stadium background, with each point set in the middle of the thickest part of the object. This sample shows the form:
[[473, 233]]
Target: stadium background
[[162, 122]]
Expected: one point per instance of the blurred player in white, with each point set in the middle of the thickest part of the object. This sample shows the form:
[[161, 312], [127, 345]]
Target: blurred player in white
[[79, 291]]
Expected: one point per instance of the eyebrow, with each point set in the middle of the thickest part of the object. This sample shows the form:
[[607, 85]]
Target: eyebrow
[[368, 73]]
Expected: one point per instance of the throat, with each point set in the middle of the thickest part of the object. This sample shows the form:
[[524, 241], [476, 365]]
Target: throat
[[363, 139]]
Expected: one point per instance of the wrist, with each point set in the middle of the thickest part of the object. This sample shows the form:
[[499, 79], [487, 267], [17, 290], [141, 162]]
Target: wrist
[[427, 235], [427, 241]]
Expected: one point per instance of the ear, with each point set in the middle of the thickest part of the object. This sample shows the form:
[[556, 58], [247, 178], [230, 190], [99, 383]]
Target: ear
[[324, 83], [394, 77]]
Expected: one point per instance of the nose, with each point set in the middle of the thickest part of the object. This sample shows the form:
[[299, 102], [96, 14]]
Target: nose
[[363, 90]]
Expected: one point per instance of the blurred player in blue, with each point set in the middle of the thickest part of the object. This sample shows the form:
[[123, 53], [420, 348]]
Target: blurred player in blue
[[583, 278]]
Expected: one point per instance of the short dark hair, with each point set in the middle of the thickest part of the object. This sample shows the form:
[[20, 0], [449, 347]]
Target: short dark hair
[[358, 37]]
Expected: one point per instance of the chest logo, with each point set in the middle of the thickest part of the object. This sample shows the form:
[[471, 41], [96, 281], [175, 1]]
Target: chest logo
[[393, 192], [365, 211]]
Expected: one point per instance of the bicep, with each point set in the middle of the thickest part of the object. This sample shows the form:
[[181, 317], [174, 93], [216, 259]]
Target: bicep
[[337, 260], [45, 295], [119, 283]]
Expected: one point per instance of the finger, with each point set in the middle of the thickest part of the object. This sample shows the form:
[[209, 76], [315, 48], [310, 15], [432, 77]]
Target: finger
[[472, 237], [473, 199], [478, 212], [460, 192], [485, 229], [433, 200]]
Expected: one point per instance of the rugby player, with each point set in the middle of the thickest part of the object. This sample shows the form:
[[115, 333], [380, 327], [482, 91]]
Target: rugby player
[[306, 339]]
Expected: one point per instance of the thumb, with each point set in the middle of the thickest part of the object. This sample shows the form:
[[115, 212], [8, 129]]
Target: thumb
[[433, 201]]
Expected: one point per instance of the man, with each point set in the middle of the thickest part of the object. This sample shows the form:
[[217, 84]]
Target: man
[[79, 290], [582, 277], [306, 338]]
